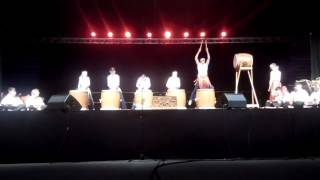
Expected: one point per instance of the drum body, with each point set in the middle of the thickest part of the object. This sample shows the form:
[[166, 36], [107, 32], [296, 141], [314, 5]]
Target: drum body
[[143, 99], [82, 96], [242, 60], [205, 99], [180, 94], [110, 100]]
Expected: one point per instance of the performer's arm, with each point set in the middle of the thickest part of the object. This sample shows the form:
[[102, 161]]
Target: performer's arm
[[196, 58], [208, 54]]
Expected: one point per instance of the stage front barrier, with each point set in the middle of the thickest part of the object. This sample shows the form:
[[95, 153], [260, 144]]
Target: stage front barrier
[[205, 99], [110, 100], [143, 99], [82, 96], [180, 94]]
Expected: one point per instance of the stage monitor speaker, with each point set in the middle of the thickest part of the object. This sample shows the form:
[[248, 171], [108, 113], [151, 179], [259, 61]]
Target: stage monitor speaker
[[63, 102], [235, 100]]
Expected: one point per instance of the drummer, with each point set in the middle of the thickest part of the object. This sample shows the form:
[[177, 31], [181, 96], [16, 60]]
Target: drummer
[[202, 81], [34, 101], [84, 85], [274, 81], [113, 81], [173, 83], [143, 83]]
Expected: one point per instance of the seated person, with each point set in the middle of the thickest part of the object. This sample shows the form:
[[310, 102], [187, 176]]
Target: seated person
[[286, 97], [11, 102], [300, 96], [34, 101], [173, 83]]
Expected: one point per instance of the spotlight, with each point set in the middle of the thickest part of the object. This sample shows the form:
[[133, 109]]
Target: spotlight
[[202, 34], [127, 34], [149, 35], [93, 34], [186, 34], [167, 34], [223, 34], [110, 34]]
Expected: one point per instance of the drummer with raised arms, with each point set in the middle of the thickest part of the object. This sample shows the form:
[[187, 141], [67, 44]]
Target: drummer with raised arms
[[113, 81], [84, 84], [202, 81]]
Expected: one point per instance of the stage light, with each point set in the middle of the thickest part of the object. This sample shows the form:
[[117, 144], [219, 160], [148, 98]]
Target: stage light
[[149, 35], [223, 34], [93, 34], [167, 34], [127, 34], [110, 34], [202, 34], [185, 34]]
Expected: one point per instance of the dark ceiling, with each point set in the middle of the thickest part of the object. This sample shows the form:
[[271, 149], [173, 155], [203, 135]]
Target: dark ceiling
[[76, 18]]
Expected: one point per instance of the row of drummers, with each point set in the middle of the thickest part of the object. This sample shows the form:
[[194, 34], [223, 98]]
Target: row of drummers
[[112, 99]]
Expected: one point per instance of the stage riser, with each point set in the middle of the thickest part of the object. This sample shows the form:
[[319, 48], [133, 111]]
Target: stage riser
[[86, 136]]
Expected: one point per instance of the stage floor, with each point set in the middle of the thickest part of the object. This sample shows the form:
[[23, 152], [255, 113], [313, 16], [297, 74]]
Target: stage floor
[[187, 169], [59, 136]]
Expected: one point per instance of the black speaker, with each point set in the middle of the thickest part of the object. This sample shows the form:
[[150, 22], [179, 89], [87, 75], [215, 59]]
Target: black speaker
[[235, 100], [63, 102]]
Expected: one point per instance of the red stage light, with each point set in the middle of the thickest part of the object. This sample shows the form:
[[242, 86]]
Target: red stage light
[[93, 34], [149, 35], [185, 34], [167, 34], [127, 34], [202, 34], [223, 34], [110, 34]]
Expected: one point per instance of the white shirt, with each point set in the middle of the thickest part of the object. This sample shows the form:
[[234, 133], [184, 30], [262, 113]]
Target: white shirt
[[202, 69], [300, 96], [287, 97], [275, 75], [11, 101], [36, 102], [84, 83], [113, 81], [143, 83], [173, 83], [315, 96]]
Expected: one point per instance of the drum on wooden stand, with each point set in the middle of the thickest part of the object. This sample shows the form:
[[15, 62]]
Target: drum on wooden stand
[[180, 94], [242, 60], [82, 96], [205, 99], [143, 99], [110, 100]]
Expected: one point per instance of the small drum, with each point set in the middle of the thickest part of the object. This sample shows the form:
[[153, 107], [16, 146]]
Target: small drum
[[110, 100], [82, 97], [205, 99], [143, 99], [180, 94], [242, 60]]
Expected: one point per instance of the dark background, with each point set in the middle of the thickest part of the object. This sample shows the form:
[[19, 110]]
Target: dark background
[[54, 68]]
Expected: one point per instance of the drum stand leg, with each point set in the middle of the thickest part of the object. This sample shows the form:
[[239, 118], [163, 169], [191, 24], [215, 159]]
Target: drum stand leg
[[238, 73], [255, 99]]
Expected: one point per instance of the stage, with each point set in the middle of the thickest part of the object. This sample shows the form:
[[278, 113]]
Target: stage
[[64, 136]]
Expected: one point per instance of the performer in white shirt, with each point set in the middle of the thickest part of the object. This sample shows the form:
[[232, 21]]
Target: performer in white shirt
[[173, 82], [11, 102], [84, 84], [315, 95], [84, 81], [274, 81], [299, 95], [34, 101], [202, 81], [113, 81], [143, 83]]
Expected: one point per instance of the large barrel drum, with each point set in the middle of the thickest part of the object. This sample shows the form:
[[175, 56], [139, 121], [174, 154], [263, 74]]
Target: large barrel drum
[[242, 60]]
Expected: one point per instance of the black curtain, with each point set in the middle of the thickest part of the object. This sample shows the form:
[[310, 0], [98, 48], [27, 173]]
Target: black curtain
[[315, 55]]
